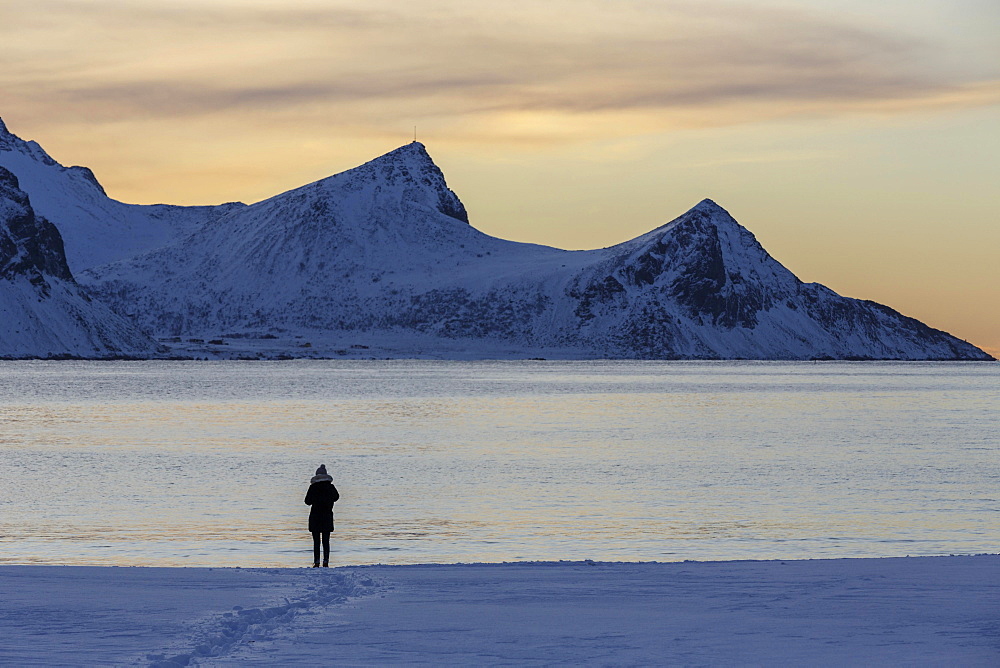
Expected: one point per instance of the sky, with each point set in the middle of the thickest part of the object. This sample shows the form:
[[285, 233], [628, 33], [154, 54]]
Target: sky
[[859, 141]]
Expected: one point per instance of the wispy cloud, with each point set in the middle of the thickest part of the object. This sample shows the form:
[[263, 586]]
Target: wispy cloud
[[490, 69]]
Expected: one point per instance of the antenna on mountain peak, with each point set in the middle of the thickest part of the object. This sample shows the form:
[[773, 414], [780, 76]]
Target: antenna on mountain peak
[[414, 134]]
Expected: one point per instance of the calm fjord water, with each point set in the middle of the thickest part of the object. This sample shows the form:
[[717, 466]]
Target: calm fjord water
[[206, 463]]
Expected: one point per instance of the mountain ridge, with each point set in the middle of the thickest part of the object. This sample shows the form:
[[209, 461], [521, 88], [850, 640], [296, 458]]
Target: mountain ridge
[[97, 229], [385, 252]]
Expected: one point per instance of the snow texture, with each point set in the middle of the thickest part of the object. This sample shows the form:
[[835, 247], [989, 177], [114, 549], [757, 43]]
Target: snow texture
[[902, 611], [43, 312], [385, 253]]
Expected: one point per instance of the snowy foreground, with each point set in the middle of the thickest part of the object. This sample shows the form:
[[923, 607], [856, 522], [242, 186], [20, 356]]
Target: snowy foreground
[[905, 611]]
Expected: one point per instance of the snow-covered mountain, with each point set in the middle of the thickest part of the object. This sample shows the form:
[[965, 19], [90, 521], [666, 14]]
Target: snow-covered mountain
[[387, 248], [382, 257], [96, 228], [43, 312]]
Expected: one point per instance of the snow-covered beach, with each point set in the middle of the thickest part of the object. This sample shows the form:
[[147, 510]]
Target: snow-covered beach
[[898, 611]]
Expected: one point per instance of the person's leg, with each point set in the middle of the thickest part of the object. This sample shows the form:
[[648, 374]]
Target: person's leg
[[326, 548], [316, 538]]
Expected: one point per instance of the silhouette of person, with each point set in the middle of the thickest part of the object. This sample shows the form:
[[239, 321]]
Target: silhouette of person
[[321, 496]]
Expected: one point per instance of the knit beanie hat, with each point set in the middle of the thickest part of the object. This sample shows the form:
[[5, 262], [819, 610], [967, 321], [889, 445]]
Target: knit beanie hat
[[321, 475]]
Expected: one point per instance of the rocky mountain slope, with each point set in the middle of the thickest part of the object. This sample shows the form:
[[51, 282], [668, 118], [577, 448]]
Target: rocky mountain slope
[[382, 257], [43, 312]]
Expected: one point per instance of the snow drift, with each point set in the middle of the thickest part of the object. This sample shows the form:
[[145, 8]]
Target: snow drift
[[903, 611]]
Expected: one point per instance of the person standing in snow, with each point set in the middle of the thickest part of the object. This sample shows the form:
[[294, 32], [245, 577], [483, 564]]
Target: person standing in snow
[[321, 496]]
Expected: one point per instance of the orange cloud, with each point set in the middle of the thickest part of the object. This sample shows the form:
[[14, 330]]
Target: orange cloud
[[520, 71]]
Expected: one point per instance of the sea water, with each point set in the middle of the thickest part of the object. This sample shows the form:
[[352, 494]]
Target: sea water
[[207, 463]]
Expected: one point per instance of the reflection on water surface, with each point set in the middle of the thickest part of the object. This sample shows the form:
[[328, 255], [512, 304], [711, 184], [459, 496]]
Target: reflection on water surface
[[206, 463]]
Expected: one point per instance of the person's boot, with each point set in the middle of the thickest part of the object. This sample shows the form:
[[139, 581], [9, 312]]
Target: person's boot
[[315, 564], [326, 564]]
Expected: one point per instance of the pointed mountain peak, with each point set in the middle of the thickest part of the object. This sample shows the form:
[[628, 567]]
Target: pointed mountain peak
[[414, 147], [413, 154], [11, 142], [708, 207], [411, 171], [8, 140], [709, 212]]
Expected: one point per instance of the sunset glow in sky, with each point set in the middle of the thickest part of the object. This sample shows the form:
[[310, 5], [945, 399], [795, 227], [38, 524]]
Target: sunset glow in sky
[[859, 141]]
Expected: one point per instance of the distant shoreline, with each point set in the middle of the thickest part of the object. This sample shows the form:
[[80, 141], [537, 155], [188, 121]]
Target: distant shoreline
[[430, 358]]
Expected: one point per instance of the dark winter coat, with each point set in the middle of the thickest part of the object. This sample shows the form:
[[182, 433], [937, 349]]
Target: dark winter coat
[[321, 496]]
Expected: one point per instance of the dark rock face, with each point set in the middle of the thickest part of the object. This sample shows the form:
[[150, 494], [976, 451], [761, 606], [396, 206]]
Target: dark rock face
[[685, 264], [599, 291], [709, 288], [46, 314], [703, 287], [681, 268], [29, 244]]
